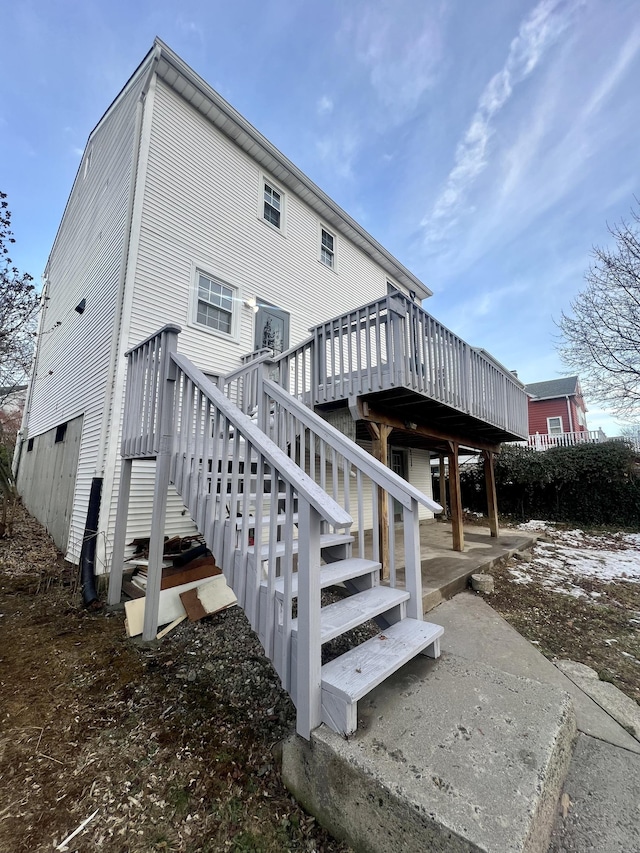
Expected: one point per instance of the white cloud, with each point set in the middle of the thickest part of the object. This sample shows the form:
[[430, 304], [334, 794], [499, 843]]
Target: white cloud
[[340, 150], [614, 75], [324, 105], [401, 53], [537, 33]]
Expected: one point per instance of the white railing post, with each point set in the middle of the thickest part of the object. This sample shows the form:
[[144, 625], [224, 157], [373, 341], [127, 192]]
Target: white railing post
[[413, 567], [164, 446], [308, 694], [120, 533]]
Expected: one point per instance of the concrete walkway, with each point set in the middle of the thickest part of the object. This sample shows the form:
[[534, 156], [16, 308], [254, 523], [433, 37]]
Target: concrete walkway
[[492, 748]]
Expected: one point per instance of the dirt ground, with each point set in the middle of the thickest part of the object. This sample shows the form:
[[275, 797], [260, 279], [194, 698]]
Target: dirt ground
[[170, 747]]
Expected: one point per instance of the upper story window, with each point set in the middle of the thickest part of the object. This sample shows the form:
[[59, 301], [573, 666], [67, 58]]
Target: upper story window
[[214, 304], [327, 248], [554, 425], [273, 204]]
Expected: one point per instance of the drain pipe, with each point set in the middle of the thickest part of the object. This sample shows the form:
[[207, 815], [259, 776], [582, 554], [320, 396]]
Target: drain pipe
[[88, 551]]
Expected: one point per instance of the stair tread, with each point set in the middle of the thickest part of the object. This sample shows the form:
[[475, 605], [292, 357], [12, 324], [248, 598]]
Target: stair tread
[[326, 541], [250, 520], [344, 615], [331, 574], [358, 671]]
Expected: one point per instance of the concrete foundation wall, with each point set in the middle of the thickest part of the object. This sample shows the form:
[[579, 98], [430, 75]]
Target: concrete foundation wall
[[47, 477]]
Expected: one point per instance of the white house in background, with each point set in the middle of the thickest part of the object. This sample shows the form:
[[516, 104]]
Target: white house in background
[[181, 212]]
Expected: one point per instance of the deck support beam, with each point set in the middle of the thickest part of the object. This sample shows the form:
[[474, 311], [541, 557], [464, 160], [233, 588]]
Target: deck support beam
[[457, 527], [492, 499], [380, 450]]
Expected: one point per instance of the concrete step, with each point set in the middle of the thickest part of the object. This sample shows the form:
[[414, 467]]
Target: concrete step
[[449, 755]]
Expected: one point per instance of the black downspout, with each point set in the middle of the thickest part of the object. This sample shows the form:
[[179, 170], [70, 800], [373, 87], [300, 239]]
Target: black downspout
[[88, 552]]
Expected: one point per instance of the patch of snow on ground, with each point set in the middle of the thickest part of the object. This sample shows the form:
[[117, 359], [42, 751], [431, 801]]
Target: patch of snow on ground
[[536, 525], [572, 554]]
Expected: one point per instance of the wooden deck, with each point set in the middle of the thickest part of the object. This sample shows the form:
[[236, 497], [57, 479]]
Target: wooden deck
[[392, 355]]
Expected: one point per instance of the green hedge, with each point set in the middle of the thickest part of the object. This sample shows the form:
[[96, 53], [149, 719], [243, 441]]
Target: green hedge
[[589, 484]]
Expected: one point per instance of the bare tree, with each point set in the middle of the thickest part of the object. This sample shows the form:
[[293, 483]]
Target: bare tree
[[18, 307], [601, 337]]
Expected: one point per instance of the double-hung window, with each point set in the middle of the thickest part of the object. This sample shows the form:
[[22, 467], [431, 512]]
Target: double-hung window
[[554, 425], [214, 307], [273, 205], [327, 248]]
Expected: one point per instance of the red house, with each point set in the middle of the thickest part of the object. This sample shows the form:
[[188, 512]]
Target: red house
[[557, 412]]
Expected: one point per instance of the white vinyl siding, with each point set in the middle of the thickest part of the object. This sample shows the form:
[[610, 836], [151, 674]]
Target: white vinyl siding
[[193, 165], [85, 263]]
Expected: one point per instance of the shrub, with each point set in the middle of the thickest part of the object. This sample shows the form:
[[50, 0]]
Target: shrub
[[587, 484]]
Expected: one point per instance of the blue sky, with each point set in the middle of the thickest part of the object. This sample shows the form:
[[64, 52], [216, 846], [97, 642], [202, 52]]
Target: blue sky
[[486, 144]]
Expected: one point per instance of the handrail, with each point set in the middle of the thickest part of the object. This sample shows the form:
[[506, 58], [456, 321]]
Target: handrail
[[304, 485], [385, 477]]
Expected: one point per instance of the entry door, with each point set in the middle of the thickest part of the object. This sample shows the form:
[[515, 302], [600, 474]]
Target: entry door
[[399, 465], [272, 328]]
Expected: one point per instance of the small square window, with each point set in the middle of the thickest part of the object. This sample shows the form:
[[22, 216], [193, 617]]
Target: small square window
[[327, 248], [272, 205], [214, 304], [61, 431], [554, 425]]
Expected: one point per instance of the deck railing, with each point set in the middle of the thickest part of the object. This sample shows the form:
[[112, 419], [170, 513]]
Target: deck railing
[[393, 343], [542, 441]]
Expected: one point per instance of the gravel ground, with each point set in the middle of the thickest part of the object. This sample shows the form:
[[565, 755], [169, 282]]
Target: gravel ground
[[168, 746]]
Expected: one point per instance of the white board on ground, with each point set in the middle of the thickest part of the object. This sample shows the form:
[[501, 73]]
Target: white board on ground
[[214, 595], [169, 609]]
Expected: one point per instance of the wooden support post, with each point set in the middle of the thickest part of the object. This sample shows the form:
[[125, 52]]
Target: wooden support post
[[443, 487], [456, 498], [117, 555], [492, 500], [380, 450]]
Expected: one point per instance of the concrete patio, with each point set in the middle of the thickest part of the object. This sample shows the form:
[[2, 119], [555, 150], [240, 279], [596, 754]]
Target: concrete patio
[[446, 572]]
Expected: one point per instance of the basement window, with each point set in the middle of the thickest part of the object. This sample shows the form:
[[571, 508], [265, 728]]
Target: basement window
[[61, 431], [29, 445]]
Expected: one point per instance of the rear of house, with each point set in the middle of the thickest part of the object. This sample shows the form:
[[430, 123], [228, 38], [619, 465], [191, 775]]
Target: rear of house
[[180, 212]]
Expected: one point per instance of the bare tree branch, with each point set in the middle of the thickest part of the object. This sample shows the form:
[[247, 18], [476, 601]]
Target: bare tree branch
[[601, 335]]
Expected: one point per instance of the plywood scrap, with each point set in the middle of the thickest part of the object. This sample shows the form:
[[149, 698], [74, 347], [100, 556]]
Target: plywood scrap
[[169, 608], [207, 598]]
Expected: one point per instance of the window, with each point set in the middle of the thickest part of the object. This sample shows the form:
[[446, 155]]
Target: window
[[554, 426], [214, 306], [61, 431], [272, 211], [327, 248], [29, 445]]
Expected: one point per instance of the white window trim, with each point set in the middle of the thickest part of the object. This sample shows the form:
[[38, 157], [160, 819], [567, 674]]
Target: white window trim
[[555, 418], [210, 272], [322, 227], [265, 179]]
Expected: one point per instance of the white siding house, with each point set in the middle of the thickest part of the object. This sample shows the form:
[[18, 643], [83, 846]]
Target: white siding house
[[175, 190]]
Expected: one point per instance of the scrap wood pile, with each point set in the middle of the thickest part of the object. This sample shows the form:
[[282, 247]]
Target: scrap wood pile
[[192, 585]]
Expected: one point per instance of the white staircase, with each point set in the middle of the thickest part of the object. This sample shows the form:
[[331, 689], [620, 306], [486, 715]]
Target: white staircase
[[272, 496]]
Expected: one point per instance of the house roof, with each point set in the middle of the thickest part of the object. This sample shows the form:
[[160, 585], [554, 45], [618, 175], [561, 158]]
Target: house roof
[[180, 77], [567, 386]]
